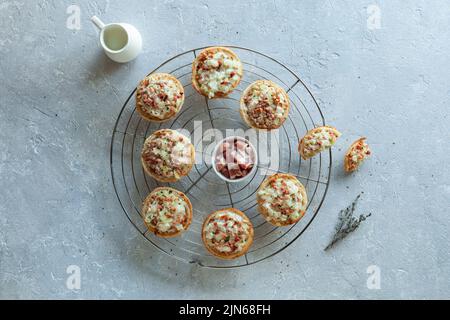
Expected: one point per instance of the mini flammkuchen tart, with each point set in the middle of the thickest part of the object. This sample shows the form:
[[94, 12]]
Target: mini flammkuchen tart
[[264, 105], [356, 154], [159, 97], [167, 212], [167, 155], [317, 140], [216, 72], [227, 233], [282, 199]]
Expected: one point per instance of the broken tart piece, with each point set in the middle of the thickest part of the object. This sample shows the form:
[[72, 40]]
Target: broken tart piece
[[317, 140], [356, 154]]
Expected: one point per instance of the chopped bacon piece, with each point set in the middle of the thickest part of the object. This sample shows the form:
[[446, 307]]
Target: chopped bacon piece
[[241, 146], [220, 163], [247, 166], [220, 167], [225, 172], [234, 170], [240, 158]]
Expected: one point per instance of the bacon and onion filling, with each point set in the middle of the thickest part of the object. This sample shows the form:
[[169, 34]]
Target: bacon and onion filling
[[227, 232], [357, 155], [265, 105], [319, 140], [217, 72], [168, 155], [167, 211], [283, 200], [160, 97]]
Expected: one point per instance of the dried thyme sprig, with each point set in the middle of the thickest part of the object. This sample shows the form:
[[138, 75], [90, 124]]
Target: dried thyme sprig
[[347, 223]]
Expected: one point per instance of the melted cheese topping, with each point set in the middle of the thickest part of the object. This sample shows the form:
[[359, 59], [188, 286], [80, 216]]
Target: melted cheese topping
[[227, 232], [358, 153], [167, 211], [160, 97], [319, 139], [168, 154], [265, 105], [217, 72], [283, 200]]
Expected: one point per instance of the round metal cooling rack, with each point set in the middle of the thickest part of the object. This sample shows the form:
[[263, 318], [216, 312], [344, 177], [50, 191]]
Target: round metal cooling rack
[[277, 152]]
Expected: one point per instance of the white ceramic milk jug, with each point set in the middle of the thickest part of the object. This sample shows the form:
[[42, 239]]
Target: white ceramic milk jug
[[121, 42]]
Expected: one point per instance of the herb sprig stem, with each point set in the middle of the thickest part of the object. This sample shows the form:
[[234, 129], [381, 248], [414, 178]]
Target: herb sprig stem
[[347, 223]]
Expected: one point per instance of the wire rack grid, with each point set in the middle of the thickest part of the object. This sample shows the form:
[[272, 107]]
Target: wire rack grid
[[205, 189]]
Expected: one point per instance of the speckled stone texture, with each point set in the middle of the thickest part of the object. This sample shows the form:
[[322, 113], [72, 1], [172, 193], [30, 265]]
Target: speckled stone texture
[[60, 96]]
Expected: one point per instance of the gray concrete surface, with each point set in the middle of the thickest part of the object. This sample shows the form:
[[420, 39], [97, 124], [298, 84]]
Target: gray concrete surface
[[59, 97]]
